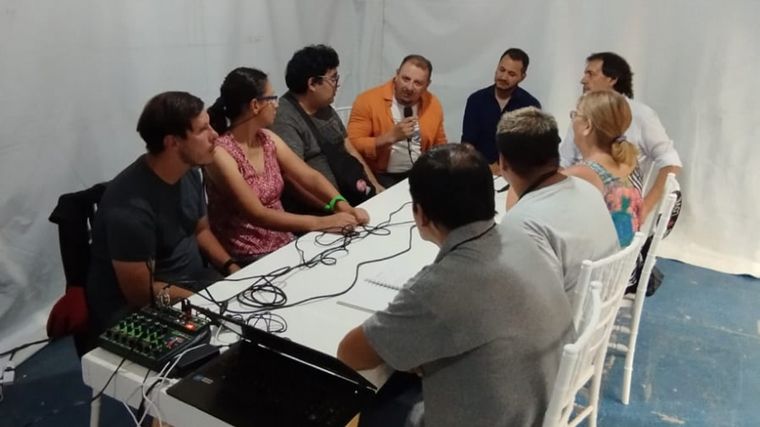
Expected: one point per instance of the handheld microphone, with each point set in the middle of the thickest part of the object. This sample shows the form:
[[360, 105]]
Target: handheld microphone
[[408, 113]]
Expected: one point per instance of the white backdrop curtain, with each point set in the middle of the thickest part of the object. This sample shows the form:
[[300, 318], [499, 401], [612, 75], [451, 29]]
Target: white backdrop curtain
[[74, 76]]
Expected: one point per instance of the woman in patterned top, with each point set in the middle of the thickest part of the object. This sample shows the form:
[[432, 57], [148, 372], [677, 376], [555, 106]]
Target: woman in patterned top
[[609, 160], [250, 167]]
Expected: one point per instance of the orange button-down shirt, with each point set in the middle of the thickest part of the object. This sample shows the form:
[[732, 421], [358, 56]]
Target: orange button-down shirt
[[371, 117]]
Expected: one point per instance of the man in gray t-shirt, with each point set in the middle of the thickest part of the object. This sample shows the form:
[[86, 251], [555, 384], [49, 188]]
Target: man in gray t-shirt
[[293, 129], [570, 223], [312, 79], [565, 216], [151, 226], [485, 323]]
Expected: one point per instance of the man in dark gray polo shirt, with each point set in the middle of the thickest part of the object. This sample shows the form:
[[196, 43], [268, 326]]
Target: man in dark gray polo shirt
[[485, 323], [312, 78]]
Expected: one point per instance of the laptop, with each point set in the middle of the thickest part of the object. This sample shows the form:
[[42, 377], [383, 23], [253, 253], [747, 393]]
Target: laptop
[[267, 380]]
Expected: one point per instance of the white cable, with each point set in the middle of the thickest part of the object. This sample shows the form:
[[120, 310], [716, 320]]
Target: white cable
[[131, 414], [162, 377], [147, 399], [224, 343], [141, 387]]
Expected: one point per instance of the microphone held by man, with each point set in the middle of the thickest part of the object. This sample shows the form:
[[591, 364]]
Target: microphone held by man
[[415, 130]]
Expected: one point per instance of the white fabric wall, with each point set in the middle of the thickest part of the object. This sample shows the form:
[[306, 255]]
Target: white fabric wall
[[74, 77]]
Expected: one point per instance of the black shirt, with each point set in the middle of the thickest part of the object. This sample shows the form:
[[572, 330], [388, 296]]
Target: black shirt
[[482, 114], [140, 218]]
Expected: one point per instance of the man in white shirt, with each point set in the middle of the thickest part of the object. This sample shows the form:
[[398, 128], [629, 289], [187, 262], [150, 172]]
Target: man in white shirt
[[607, 70]]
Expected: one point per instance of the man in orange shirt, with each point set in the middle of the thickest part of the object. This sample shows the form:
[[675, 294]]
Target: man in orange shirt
[[392, 124]]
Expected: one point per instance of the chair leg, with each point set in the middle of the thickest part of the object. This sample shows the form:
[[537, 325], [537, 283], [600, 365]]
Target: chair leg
[[95, 411], [638, 307], [596, 384], [593, 398], [628, 368], [636, 310]]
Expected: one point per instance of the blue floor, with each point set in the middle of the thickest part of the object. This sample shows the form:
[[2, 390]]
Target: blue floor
[[697, 364], [698, 357], [48, 391]]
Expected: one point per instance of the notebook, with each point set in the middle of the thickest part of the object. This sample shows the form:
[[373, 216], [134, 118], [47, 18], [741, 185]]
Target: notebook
[[266, 380], [376, 290]]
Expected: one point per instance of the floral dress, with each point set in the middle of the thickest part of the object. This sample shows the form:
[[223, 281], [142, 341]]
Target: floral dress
[[230, 224], [623, 200]]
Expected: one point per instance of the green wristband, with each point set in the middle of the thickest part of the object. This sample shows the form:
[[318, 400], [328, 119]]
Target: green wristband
[[330, 207]]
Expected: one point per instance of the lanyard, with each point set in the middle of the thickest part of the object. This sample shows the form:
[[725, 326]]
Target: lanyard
[[541, 179], [476, 237]]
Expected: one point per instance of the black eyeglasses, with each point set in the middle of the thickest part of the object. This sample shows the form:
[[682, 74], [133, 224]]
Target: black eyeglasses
[[267, 98], [334, 78]]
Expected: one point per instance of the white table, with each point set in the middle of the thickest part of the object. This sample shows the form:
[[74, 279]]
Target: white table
[[319, 324]]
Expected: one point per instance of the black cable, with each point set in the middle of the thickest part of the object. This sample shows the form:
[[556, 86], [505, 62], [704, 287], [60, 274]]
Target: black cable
[[275, 296], [100, 393], [273, 323], [13, 351], [371, 261], [255, 295], [324, 257], [476, 237], [248, 297], [356, 276], [263, 295]]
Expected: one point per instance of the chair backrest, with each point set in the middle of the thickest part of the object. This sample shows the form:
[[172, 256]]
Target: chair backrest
[[612, 271], [671, 185], [344, 113], [74, 215], [576, 366], [663, 215]]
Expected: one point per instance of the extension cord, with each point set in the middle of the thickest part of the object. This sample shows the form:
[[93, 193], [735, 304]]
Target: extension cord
[[8, 374]]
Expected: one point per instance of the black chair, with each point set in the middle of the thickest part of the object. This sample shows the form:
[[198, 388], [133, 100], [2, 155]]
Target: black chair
[[74, 214]]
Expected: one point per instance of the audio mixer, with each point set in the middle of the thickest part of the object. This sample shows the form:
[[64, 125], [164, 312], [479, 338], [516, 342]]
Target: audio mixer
[[153, 336]]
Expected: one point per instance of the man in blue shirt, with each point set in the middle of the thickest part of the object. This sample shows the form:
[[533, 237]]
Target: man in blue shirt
[[486, 106]]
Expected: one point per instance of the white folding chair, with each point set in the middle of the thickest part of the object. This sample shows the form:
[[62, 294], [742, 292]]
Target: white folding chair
[[576, 367], [613, 273], [632, 305], [344, 113], [671, 185]]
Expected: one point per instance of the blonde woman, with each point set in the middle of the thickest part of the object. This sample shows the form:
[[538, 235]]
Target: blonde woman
[[599, 123]]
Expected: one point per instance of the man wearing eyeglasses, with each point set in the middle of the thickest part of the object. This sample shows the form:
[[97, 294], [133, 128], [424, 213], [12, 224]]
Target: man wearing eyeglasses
[[312, 79], [392, 124]]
